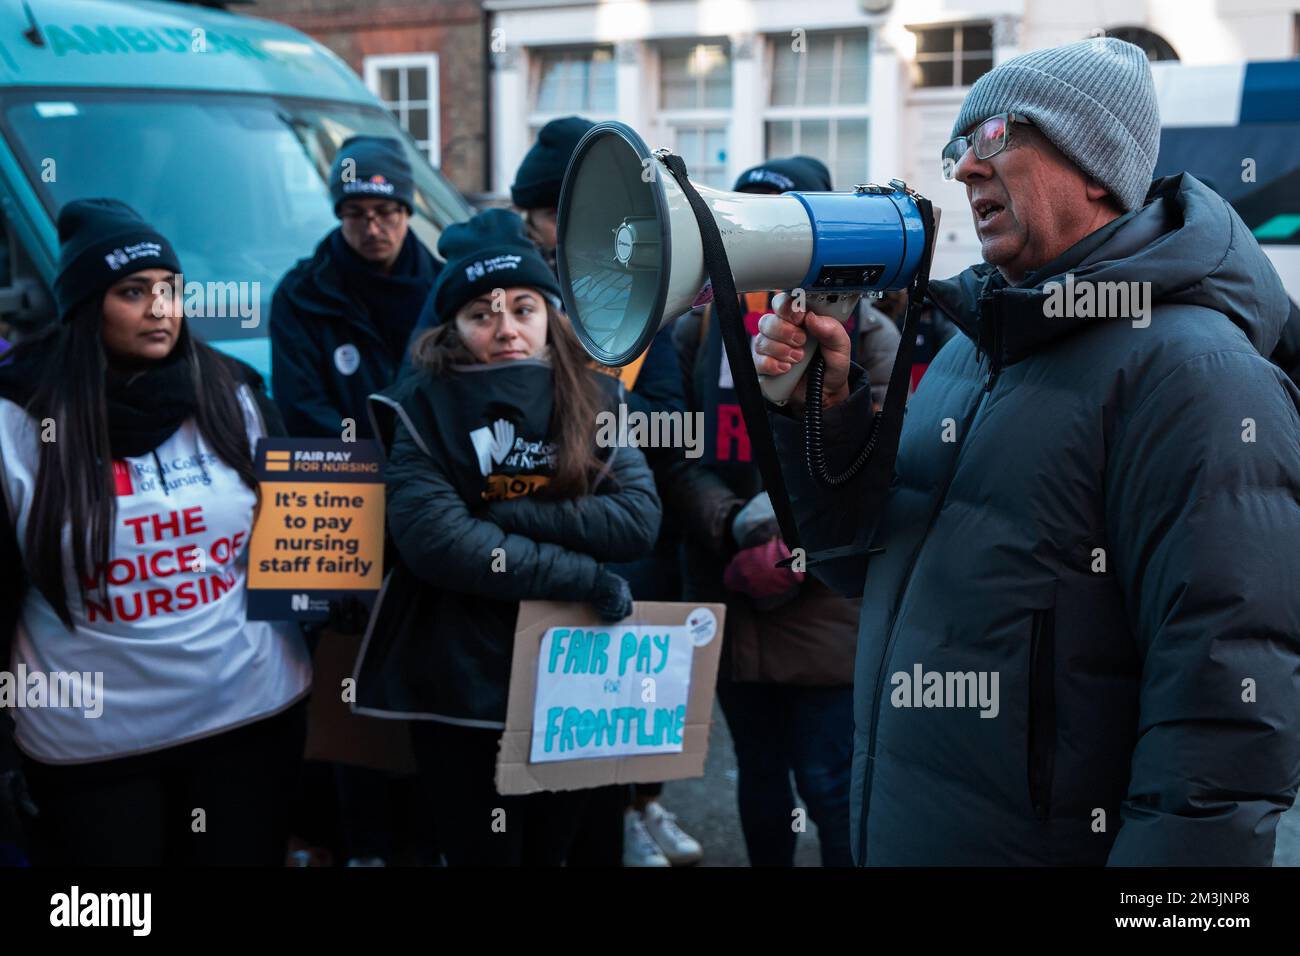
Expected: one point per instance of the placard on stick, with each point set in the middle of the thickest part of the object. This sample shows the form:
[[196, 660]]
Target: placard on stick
[[319, 533], [592, 703]]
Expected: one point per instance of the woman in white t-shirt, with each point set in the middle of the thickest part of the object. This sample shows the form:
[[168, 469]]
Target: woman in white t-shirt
[[157, 724]]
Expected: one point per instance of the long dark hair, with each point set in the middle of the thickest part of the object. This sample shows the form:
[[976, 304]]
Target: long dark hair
[[576, 398], [74, 481]]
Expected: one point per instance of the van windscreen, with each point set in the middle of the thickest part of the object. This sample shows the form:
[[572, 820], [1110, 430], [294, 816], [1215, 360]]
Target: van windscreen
[[237, 183]]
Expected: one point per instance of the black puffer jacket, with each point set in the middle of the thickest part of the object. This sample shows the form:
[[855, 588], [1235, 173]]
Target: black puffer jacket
[[1106, 517], [439, 644]]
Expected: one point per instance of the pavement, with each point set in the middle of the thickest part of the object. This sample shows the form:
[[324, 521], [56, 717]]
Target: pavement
[[706, 809], [706, 806]]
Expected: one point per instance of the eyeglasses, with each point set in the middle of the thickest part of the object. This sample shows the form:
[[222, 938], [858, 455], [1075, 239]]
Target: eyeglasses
[[384, 215], [989, 139]]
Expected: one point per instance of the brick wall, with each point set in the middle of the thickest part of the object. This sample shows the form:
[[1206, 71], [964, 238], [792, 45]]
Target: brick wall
[[453, 29]]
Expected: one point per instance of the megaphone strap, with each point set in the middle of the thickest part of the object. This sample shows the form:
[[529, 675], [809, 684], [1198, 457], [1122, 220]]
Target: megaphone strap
[[881, 447], [736, 341]]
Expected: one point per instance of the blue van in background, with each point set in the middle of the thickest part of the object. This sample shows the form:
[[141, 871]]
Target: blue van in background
[[219, 129], [1237, 126]]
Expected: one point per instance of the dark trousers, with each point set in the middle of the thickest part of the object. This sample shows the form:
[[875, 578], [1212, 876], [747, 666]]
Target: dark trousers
[[599, 840], [384, 814], [779, 730], [478, 826], [141, 810]]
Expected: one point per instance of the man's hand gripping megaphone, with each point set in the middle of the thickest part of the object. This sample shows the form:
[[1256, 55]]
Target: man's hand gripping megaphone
[[782, 344]]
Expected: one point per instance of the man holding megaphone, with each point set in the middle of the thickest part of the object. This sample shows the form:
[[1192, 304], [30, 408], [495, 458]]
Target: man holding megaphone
[[1080, 637]]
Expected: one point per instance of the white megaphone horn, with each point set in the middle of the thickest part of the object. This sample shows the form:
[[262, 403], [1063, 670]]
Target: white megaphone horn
[[631, 259]]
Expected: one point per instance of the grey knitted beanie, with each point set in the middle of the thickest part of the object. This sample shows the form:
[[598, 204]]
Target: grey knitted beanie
[[1094, 100]]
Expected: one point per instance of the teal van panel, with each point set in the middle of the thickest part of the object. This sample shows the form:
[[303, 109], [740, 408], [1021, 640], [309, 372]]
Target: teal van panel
[[22, 209], [255, 352], [163, 45]]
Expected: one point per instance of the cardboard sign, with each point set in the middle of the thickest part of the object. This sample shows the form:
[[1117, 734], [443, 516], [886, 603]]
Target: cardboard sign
[[319, 533], [593, 703], [336, 734]]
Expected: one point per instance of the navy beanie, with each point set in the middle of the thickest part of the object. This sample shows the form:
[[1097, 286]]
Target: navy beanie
[[101, 241], [379, 169], [801, 173], [541, 174], [490, 251]]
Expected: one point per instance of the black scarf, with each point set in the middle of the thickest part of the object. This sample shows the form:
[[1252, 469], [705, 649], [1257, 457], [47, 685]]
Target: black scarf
[[393, 300], [147, 405], [446, 410]]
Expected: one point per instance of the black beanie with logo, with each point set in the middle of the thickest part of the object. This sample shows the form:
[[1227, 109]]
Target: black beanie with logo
[[490, 251], [541, 174], [100, 242], [800, 173], [372, 167]]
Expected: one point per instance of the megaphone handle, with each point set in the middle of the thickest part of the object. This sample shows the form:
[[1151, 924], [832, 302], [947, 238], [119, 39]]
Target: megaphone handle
[[777, 388]]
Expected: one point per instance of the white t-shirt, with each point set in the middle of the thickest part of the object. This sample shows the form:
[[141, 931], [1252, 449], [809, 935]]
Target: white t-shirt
[[177, 657]]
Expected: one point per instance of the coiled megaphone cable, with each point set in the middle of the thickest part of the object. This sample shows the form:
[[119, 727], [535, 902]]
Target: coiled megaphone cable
[[813, 436]]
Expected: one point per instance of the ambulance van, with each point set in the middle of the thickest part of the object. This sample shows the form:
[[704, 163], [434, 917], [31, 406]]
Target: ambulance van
[[218, 128]]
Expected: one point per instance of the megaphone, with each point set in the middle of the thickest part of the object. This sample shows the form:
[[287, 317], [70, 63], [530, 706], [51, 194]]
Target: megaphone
[[631, 258]]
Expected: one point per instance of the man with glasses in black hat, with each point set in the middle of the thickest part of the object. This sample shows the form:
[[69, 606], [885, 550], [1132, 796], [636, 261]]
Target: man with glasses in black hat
[[1080, 639], [341, 318]]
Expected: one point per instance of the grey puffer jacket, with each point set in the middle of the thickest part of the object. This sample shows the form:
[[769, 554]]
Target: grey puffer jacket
[[1106, 519]]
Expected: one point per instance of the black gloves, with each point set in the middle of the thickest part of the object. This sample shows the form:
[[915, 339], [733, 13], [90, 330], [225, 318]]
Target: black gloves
[[611, 596]]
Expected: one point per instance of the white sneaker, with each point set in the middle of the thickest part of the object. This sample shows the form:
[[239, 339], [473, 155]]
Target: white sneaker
[[639, 849], [677, 845]]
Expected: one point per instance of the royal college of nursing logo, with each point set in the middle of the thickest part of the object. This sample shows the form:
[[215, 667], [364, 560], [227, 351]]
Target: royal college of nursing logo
[[122, 478], [124, 254], [477, 270]]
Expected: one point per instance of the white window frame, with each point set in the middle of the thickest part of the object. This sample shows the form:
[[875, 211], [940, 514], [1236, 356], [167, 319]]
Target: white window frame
[[429, 61], [831, 112], [668, 121], [956, 56], [539, 118], [769, 54], [683, 120]]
